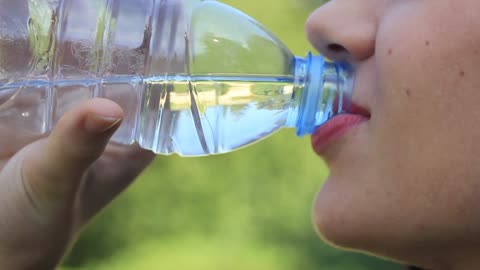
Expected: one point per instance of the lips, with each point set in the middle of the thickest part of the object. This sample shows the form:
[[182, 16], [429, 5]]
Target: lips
[[337, 127]]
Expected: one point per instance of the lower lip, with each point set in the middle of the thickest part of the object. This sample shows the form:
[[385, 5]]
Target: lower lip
[[334, 129]]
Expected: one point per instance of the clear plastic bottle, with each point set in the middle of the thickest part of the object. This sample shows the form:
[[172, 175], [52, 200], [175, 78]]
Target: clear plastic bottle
[[193, 77]]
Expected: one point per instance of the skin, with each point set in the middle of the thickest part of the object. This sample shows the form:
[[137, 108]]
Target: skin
[[51, 188], [405, 184]]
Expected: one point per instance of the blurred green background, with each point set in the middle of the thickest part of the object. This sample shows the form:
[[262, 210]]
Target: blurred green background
[[245, 210]]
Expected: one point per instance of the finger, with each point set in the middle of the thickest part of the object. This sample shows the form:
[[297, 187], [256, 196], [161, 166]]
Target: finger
[[53, 168], [118, 168], [11, 146]]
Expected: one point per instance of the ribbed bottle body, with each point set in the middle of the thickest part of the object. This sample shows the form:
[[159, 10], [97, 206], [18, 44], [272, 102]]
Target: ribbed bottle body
[[194, 77], [140, 55]]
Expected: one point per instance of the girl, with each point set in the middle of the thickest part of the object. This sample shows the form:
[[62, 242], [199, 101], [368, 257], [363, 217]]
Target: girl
[[405, 176], [404, 180]]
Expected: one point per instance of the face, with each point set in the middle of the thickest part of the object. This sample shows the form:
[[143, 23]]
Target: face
[[406, 183]]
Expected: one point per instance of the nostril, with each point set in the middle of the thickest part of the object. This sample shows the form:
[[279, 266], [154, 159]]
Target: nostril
[[336, 48]]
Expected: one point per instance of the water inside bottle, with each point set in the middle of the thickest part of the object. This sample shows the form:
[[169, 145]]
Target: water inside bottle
[[189, 115]]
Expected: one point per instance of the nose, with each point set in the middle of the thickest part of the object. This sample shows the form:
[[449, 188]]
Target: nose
[[343, 30]]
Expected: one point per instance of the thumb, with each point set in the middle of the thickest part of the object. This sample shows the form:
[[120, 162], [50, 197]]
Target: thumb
[[52, 169]]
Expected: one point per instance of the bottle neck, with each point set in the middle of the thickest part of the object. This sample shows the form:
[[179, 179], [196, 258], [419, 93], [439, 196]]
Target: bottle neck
[[322, 89]]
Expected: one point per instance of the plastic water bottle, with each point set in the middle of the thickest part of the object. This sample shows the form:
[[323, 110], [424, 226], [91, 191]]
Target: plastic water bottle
[[193, 77]]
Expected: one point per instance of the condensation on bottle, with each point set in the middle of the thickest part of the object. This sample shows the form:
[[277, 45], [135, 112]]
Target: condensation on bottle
[[193, 77]]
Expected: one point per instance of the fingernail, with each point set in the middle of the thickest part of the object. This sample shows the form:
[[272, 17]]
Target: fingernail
[[101, 124]]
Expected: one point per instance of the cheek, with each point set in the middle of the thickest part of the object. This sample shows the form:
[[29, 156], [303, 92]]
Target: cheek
[[426, 116], [427, 90]]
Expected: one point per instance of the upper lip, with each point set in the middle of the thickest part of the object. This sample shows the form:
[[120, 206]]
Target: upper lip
[[359, 109], [326, 134], [351, 107]]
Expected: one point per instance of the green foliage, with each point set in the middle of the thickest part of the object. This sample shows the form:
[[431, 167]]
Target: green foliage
[[245, 210]]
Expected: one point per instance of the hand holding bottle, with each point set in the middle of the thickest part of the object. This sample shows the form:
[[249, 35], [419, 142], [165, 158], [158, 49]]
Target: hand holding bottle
[[52, 187]]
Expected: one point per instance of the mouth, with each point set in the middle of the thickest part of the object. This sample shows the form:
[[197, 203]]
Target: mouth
[[338, 126]]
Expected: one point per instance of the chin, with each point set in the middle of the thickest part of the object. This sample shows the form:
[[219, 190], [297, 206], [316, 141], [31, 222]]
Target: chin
[[332, 220], [344, 217]]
